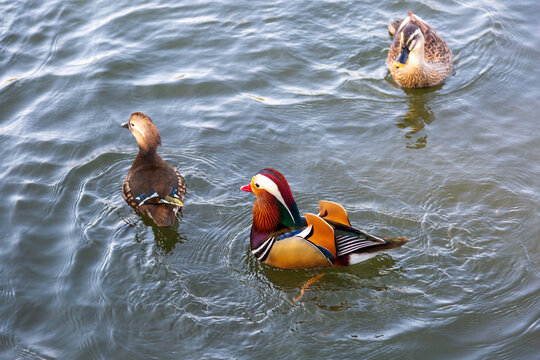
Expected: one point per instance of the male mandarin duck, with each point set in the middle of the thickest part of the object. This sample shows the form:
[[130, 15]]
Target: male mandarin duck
[[418, 57], [280, 237], [152, 187]]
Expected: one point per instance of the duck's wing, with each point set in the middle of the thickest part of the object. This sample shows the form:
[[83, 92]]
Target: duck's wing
[[163, 185], [294, 251], [322, 233], [169, 185], [157, 193], [349, 240], [334, 233], [310, 247], [319, 244], [334, 212], [177, 186], [128, 195], [435, 48]]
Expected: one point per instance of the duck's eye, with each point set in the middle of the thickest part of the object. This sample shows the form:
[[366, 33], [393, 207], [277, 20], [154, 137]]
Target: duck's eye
[[257, 185], [132, 124]]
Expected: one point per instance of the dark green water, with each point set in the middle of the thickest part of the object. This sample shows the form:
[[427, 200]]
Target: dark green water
[[235, 86]]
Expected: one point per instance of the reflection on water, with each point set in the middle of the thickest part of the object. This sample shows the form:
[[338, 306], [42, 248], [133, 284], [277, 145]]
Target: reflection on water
[[304, 283], [418, 116], [166, 238]]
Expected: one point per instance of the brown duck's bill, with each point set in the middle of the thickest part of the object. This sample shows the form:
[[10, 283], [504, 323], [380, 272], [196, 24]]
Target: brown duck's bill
[[125, 125], [402, 58], [247, 188]]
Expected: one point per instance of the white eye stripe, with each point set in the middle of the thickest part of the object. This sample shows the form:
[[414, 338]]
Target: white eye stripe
[[269, 185], [139, 131], [416, 33]]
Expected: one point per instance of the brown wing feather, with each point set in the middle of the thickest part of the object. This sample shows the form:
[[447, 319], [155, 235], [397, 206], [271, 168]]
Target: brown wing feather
[[126, 194], [162, 178], [180, 185], [435, 48]]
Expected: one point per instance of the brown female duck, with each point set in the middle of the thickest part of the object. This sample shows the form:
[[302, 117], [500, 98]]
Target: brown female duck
[[152, 187], [418, 57]]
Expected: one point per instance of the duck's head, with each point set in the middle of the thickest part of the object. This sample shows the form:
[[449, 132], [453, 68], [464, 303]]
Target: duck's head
[[275, 207], [411, 42], [145, 132]]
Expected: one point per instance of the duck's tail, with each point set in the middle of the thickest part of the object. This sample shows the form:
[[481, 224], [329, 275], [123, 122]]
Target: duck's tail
[[164, 215], [394, 242]]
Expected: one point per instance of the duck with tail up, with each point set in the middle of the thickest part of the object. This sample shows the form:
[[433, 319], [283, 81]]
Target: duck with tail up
[[418, 56], [281, 238], [152, 187]]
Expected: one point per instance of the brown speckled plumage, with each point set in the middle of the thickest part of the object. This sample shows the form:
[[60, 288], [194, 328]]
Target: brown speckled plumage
[[150, 172], [420, 70]]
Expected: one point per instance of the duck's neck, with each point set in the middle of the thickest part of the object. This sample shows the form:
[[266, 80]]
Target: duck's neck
[[416, 59], [150, 157], [269, 216]]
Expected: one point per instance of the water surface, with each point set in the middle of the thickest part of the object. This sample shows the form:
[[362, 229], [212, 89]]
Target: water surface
[[236, 86]]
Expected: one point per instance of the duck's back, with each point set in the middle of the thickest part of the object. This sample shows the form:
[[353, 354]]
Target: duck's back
[[435, 48], [143, 180]]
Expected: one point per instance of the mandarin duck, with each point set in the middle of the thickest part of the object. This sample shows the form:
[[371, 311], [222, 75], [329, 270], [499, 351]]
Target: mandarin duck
[[281, 238], [152, 187], [418, 57]]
